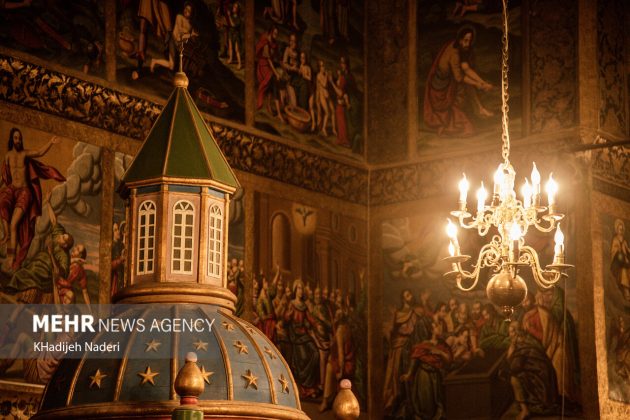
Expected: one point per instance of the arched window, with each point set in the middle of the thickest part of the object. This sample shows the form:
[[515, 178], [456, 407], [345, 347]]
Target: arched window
[[146, 237], [215, 249], [182, 234]]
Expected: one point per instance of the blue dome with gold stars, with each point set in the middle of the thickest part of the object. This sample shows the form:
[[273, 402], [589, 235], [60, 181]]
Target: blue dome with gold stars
[[178, 190], [244, 373]]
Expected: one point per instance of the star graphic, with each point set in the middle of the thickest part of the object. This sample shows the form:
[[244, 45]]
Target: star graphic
[[270, 352], [285, 383], [148, 376], [152, 345], [228, 326], [97, 378], [242, 348], [206, 375], [251, 380], [200, 345]]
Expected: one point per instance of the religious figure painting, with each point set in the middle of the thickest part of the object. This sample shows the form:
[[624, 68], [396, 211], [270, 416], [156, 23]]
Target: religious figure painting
[[69, 32], [50, 206], [616, 264], [208, 34], [310, 296], [309, 72], [445, 350], [459, 72]]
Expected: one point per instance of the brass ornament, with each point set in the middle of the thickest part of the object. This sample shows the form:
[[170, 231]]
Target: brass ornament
[[95, 380], [251, 379], [152, 345], [148, 376], [285, 383], [242, 348], [206, 375], [189, 381], [200, 345], [270, 352]]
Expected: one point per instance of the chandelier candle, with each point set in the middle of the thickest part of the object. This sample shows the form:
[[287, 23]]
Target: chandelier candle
[[506, 253]]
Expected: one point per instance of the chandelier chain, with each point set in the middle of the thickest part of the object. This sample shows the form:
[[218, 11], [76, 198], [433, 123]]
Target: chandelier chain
[[505, 135]]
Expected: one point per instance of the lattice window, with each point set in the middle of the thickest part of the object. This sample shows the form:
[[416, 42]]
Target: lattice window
[[146, 237], [182, 235], [215, 244]]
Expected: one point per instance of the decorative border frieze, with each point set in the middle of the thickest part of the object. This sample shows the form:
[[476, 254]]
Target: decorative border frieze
[[55, 93]]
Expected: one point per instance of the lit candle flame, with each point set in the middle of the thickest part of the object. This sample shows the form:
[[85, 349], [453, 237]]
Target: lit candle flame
[[463, 188], [559, 239], [551, 187], [451, 230], [482, 194], [535, 176]]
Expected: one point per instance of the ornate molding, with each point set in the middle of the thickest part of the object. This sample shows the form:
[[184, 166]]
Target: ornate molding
[[55, 93], [436, 178]]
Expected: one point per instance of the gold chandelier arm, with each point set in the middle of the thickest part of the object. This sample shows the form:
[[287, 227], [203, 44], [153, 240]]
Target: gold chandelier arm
[[545, 229], [485, 259], [471, 225], [545, 279]]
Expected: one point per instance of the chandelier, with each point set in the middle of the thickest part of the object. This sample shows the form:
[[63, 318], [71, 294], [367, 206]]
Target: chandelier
[[506, 253]]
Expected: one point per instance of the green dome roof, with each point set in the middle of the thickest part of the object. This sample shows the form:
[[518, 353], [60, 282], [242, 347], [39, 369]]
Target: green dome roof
[[180, 145], [245, 374]]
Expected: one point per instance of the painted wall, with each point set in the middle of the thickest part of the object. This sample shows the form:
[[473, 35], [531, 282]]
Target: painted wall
[[448, 352]]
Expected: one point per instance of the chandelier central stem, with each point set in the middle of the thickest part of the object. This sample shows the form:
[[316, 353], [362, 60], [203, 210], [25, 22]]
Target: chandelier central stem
[[505, 135]]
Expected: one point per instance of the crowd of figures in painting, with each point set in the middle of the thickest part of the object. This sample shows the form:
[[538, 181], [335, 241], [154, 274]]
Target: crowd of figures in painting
[[320, 332], [438, 338]]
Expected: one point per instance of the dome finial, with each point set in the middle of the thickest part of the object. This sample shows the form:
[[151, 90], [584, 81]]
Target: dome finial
[[189, 383], [346, 406], [180, 79]]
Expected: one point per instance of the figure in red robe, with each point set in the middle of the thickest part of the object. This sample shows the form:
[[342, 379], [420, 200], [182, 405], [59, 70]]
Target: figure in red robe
[[21, 195], [266, 49], [452, 80]]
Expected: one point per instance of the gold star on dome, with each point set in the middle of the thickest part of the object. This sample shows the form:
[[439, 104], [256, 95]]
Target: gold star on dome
[[270, 352], [152, 345], [200, 345], [97, 378], [228, 326], [206, 375], [242, 348], [285, 383], [148, 376], [251, 380]]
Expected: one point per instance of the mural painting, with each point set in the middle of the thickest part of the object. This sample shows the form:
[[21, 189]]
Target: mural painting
[[50, 208], [309, 72], [150, 33], [451, 354], [236, 250], [310, 295], [70, 33], [459, 71], [236, 231], [616, 276]]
